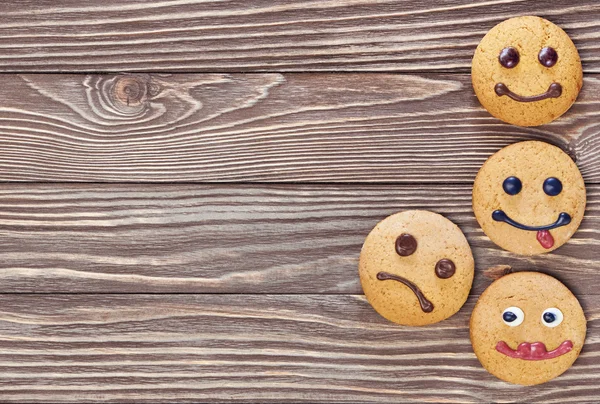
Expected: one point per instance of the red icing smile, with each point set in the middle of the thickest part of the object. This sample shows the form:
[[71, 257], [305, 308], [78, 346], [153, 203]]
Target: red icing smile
[[533, 351]]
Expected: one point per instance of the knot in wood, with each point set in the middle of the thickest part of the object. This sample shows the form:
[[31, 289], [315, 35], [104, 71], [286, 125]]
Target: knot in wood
[[130, 91]]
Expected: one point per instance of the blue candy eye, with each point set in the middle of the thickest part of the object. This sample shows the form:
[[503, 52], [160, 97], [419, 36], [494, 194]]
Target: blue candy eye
[[552, 317], [552, 186], [513, 316], [512, 185]]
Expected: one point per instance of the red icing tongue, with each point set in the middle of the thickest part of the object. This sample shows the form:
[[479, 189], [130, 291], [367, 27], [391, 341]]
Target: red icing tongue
[[545, 238], [536, 350]]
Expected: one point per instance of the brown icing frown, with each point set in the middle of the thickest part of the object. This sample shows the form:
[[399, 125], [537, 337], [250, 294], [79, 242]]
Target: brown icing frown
[[416, 268], [526, 71], [527, 328]]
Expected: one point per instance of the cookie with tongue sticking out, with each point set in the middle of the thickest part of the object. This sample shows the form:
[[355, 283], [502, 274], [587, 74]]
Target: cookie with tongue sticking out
[[529, 197]]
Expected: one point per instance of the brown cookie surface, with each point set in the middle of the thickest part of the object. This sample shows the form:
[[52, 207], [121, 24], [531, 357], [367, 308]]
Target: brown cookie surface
[[529, 197], [527, 328], [416, 268], [526, 71]]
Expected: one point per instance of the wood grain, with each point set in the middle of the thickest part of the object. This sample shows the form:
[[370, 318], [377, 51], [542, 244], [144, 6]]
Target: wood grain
[[237, 238], [241, 348], [115, 291], [265, 35], [265, 128]]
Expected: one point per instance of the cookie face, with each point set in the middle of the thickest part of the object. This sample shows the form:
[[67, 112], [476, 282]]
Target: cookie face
[[527, 328], [526, 71], [529, 198], [416, 268]]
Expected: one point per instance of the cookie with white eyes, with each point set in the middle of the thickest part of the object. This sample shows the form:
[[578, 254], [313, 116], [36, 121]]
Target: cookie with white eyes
[[416, 268], [527, 328], [529, 198], [526, 71]]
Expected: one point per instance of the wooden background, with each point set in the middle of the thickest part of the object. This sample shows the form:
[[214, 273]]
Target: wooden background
[[186, 186]]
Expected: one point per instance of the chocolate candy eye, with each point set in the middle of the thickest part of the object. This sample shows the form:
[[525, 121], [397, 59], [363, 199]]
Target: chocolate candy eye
[[445, 268], [509, 57], [548, 56], [512, 185], [513, 316], [552, 317], [552, 186], [405, 245]]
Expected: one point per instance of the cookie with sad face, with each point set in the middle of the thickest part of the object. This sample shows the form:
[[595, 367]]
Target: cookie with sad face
[[416, 268], [526, 71], [527, 328], [529, 198]]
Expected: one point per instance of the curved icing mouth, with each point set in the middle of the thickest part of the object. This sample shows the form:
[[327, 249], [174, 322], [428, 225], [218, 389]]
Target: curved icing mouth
[[543, 232], [554, 91], [533, 351], [562, 220], [425, 304]]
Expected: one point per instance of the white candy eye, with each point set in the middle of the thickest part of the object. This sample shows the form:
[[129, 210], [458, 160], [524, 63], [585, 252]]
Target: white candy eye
[[513, 316], [552, 317]]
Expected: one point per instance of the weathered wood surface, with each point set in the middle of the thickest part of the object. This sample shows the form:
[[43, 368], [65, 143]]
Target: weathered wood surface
[[265, 35], [236, 238], [265, 127], [251, 290], [244, 348]]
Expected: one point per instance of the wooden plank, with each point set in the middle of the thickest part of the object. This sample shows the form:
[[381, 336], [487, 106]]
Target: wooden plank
[[266, 128], [236, 239], [264, 35], [241, 348]]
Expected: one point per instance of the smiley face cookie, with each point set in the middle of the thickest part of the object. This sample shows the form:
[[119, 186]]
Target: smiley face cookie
[[416, 268], [527, 328], [526, 71], [529, 198]]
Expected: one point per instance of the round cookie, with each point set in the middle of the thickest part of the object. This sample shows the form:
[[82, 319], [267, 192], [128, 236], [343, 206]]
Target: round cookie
[[527, 328], [416, 268], [526, 71], [529, 198]]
